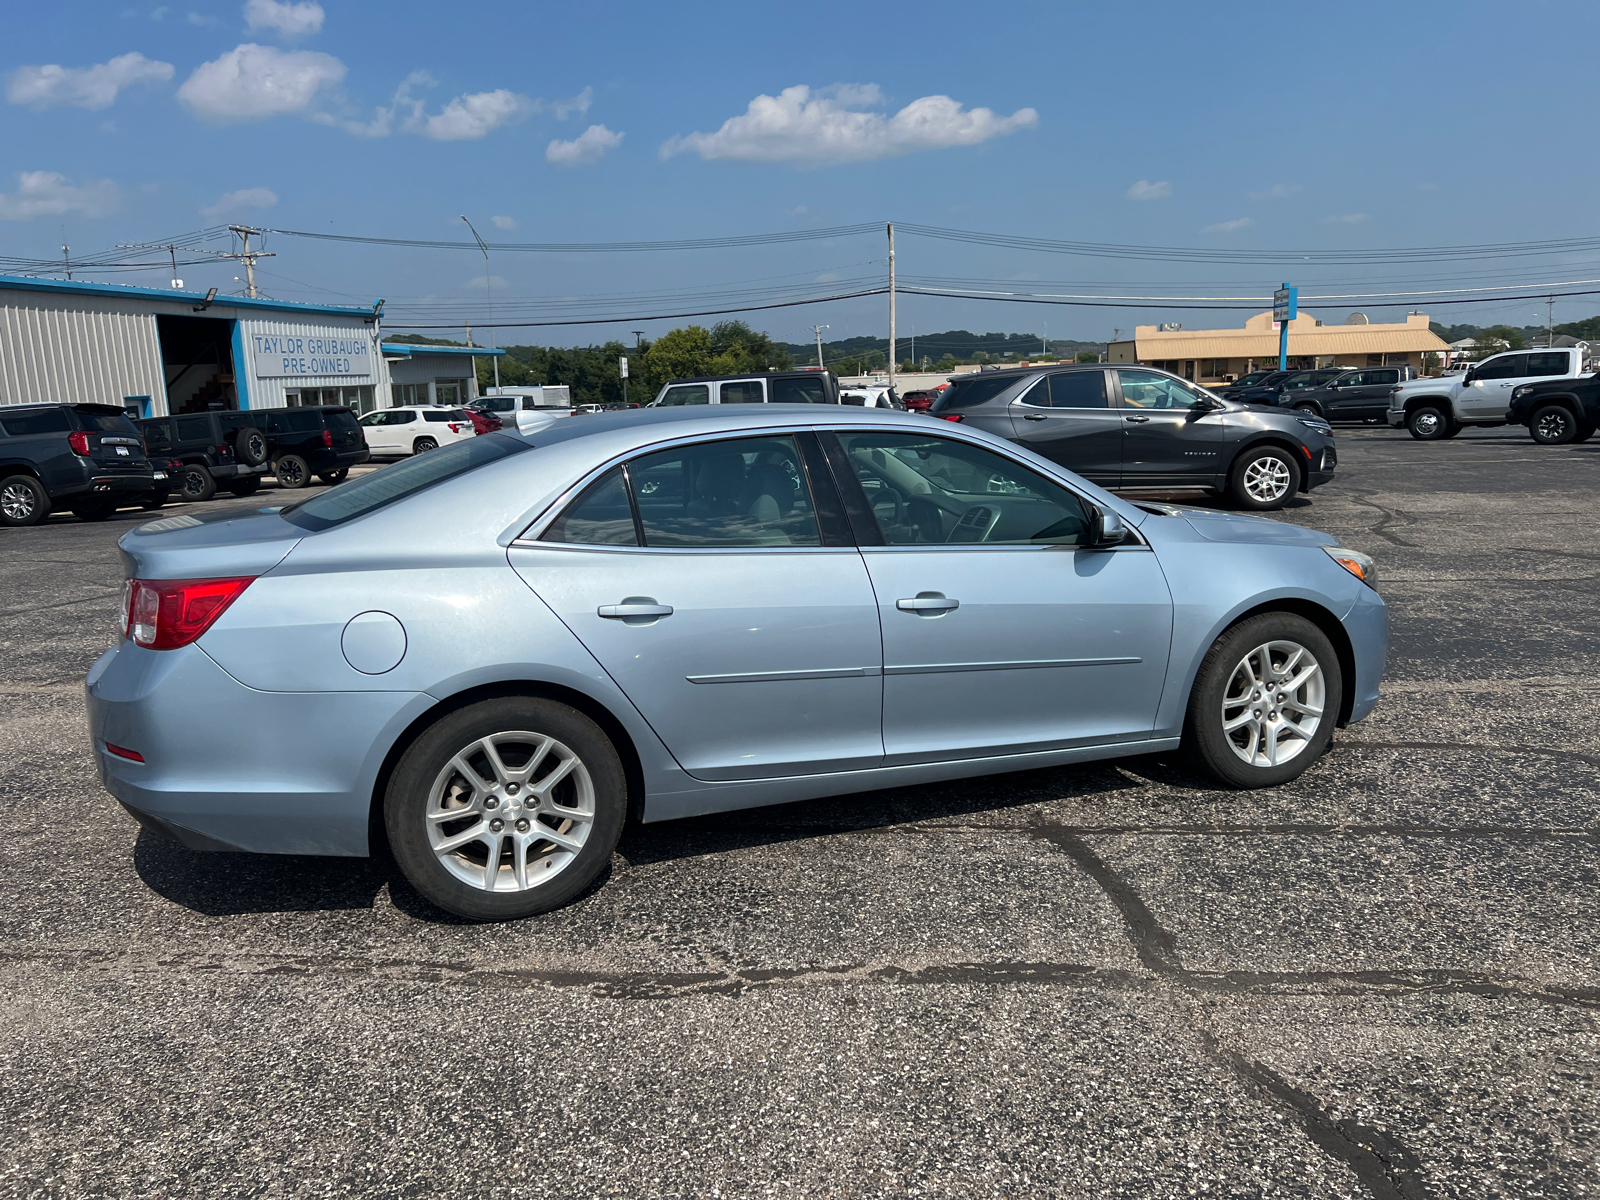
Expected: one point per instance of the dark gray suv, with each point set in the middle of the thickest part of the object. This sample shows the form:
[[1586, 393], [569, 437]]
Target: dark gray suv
[[1137, 427]]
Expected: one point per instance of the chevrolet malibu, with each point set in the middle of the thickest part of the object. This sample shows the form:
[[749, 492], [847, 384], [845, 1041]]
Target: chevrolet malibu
[[496, 654]]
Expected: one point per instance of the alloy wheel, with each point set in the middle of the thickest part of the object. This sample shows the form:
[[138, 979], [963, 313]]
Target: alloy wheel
[[1273, 704], [1552, 426], [17, 502], [1267, 479], [510, 812], [1428, 424]]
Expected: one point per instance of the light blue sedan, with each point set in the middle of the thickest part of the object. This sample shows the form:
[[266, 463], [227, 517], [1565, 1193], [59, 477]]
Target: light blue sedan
[[502, 651]]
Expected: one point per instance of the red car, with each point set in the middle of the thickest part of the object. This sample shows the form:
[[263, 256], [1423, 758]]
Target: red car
[[482, 423], [918, 401]]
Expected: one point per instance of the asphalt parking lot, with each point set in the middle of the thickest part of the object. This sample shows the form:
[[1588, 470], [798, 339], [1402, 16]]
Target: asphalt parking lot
[[1109, 980]]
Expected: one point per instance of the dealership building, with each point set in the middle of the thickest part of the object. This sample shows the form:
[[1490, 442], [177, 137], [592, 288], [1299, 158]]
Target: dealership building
[[157, 351]]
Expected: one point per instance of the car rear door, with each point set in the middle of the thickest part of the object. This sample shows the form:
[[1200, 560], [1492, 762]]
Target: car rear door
[[1000, 635], [1068, 417], [718, 584], [1371, 398], [1169, 437], [741, 391]]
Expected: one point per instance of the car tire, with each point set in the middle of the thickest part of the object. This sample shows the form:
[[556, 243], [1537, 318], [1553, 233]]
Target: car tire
[[447, 859], [196, 484], [1277, 731], [1263, 479], [153, 501], [250, 446], [1553, 425], [23, 501], [248, 486], [331, 478], [1428, 423], [423, 445], [99, 508], [1313, 409], [292, 471]]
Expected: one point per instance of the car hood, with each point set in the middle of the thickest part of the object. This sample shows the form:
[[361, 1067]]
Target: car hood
[[1241, 527], [209, 545]]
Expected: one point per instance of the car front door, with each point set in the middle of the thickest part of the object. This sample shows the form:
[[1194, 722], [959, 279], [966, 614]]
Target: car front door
[[1488, 396], [1067, 417], [1170, 437], [725, 596], [375, 428], [1000, 634], [1339, 398]]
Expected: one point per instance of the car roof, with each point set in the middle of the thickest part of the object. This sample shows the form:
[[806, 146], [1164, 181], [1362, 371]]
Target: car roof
[[750, 375], [1034, 370], [79, 405], [688, 421]]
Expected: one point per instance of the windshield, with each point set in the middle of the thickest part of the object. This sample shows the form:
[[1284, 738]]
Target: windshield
[[969, 392], [105, 422], [388, 484]]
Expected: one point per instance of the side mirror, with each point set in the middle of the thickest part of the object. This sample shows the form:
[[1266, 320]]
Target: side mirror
[[1468, 377], [1106, 529], [1208, 404]]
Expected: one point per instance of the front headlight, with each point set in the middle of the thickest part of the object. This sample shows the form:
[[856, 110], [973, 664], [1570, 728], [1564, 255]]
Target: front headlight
[[1313, 423], [1521, 391], [1358, 564]]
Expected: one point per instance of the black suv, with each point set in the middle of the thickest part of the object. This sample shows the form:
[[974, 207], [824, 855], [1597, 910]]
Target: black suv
[[1353, 394], [322, 440], [1280, 392], [86, 457], [214, 448], [234, 450], [1137, 427], [1558, 411]]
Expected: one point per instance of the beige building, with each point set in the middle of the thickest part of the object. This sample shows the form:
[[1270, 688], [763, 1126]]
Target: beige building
[[1221, 355]]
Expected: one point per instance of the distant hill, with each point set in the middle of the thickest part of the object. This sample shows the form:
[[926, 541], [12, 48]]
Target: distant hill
[[956, 343]]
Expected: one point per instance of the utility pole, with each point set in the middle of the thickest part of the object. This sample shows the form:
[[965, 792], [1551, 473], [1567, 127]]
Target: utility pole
[[66, 257], [1549, 342], [891, 306], [819, 329], [248, 257], [488, 286]]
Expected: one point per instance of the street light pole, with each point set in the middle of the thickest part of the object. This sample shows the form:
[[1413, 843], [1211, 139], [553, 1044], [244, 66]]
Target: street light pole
[[488, 286], [819, 329], [891, 307]]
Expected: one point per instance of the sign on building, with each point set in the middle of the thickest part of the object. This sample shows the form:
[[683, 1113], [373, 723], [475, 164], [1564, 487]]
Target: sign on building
[[289, 356]]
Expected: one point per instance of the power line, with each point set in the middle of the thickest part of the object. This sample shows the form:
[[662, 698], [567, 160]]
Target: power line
[[712, 243]]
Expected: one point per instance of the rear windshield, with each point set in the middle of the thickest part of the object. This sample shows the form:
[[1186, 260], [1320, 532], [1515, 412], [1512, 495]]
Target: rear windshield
[[342, 420], [973, 391], [105, 422], [455, 414], [383, 487], [40, 420]]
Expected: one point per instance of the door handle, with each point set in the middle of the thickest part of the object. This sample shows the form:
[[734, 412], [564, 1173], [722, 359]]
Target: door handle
[[1136, 420], [1033, 416], [927, 602], [635, 606]]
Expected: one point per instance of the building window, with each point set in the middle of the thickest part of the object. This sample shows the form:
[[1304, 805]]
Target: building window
[[450, 391], [1216, 368], [1374, 360], [410, 393]]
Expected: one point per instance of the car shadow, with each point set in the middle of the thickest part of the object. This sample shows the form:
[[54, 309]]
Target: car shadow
[[227, 885]]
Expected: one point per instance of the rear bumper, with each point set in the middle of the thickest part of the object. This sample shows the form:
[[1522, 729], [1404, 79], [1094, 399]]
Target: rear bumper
[[123, 483], [283, 773]]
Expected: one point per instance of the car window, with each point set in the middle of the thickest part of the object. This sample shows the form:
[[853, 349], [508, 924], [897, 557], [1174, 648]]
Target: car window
[[104, 422], [601, 516], [194, 429], [157, 434], [1507, 366], [1378, 377], [935, 490], [1354, 379], [744, 492], [375, 418], [799, 391], [374, 491], [341, 420], [743, 391], [973, 391], [439, 418], [1551, 362], [298, 420], [402, 416], [44, 420], [674, 397], [1146, 389], [1078, 389]]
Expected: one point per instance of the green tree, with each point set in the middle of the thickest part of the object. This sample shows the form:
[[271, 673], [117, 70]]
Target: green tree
[[737, 349], [1086, 356], [946, 363], [1499, 337], [680, 354]]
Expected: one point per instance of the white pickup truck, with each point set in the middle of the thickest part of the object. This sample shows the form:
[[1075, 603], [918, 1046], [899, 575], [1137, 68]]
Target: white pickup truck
[[1442, 407]]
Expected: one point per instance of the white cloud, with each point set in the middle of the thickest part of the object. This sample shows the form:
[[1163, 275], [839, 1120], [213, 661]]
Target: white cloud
[[233, 202], [478, 283], [565, 108], [48, 194], [826, 126], [1229, 226], [201, 19], [506, 223], [1145, 190], [1345, 219], [250, 82], [1278, 191], [291, 20], [590, 146], [56, 86], [467, 118]]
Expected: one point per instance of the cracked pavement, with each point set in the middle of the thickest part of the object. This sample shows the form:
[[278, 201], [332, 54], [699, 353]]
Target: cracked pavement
[[1380, 981]]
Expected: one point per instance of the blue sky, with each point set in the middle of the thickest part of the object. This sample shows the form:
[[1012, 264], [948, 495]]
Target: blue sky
[[1240, 126]]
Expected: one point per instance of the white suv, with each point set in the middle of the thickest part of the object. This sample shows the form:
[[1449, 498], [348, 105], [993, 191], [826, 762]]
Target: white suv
[[415, 428]]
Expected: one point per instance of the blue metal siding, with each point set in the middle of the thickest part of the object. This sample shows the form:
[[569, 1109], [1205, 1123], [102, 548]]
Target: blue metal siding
[[241, 376]]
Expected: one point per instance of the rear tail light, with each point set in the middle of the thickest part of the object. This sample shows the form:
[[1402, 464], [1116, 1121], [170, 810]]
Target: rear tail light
[[327, 437], [163, 614], [79, 442], [949, 416], [124, 752]]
